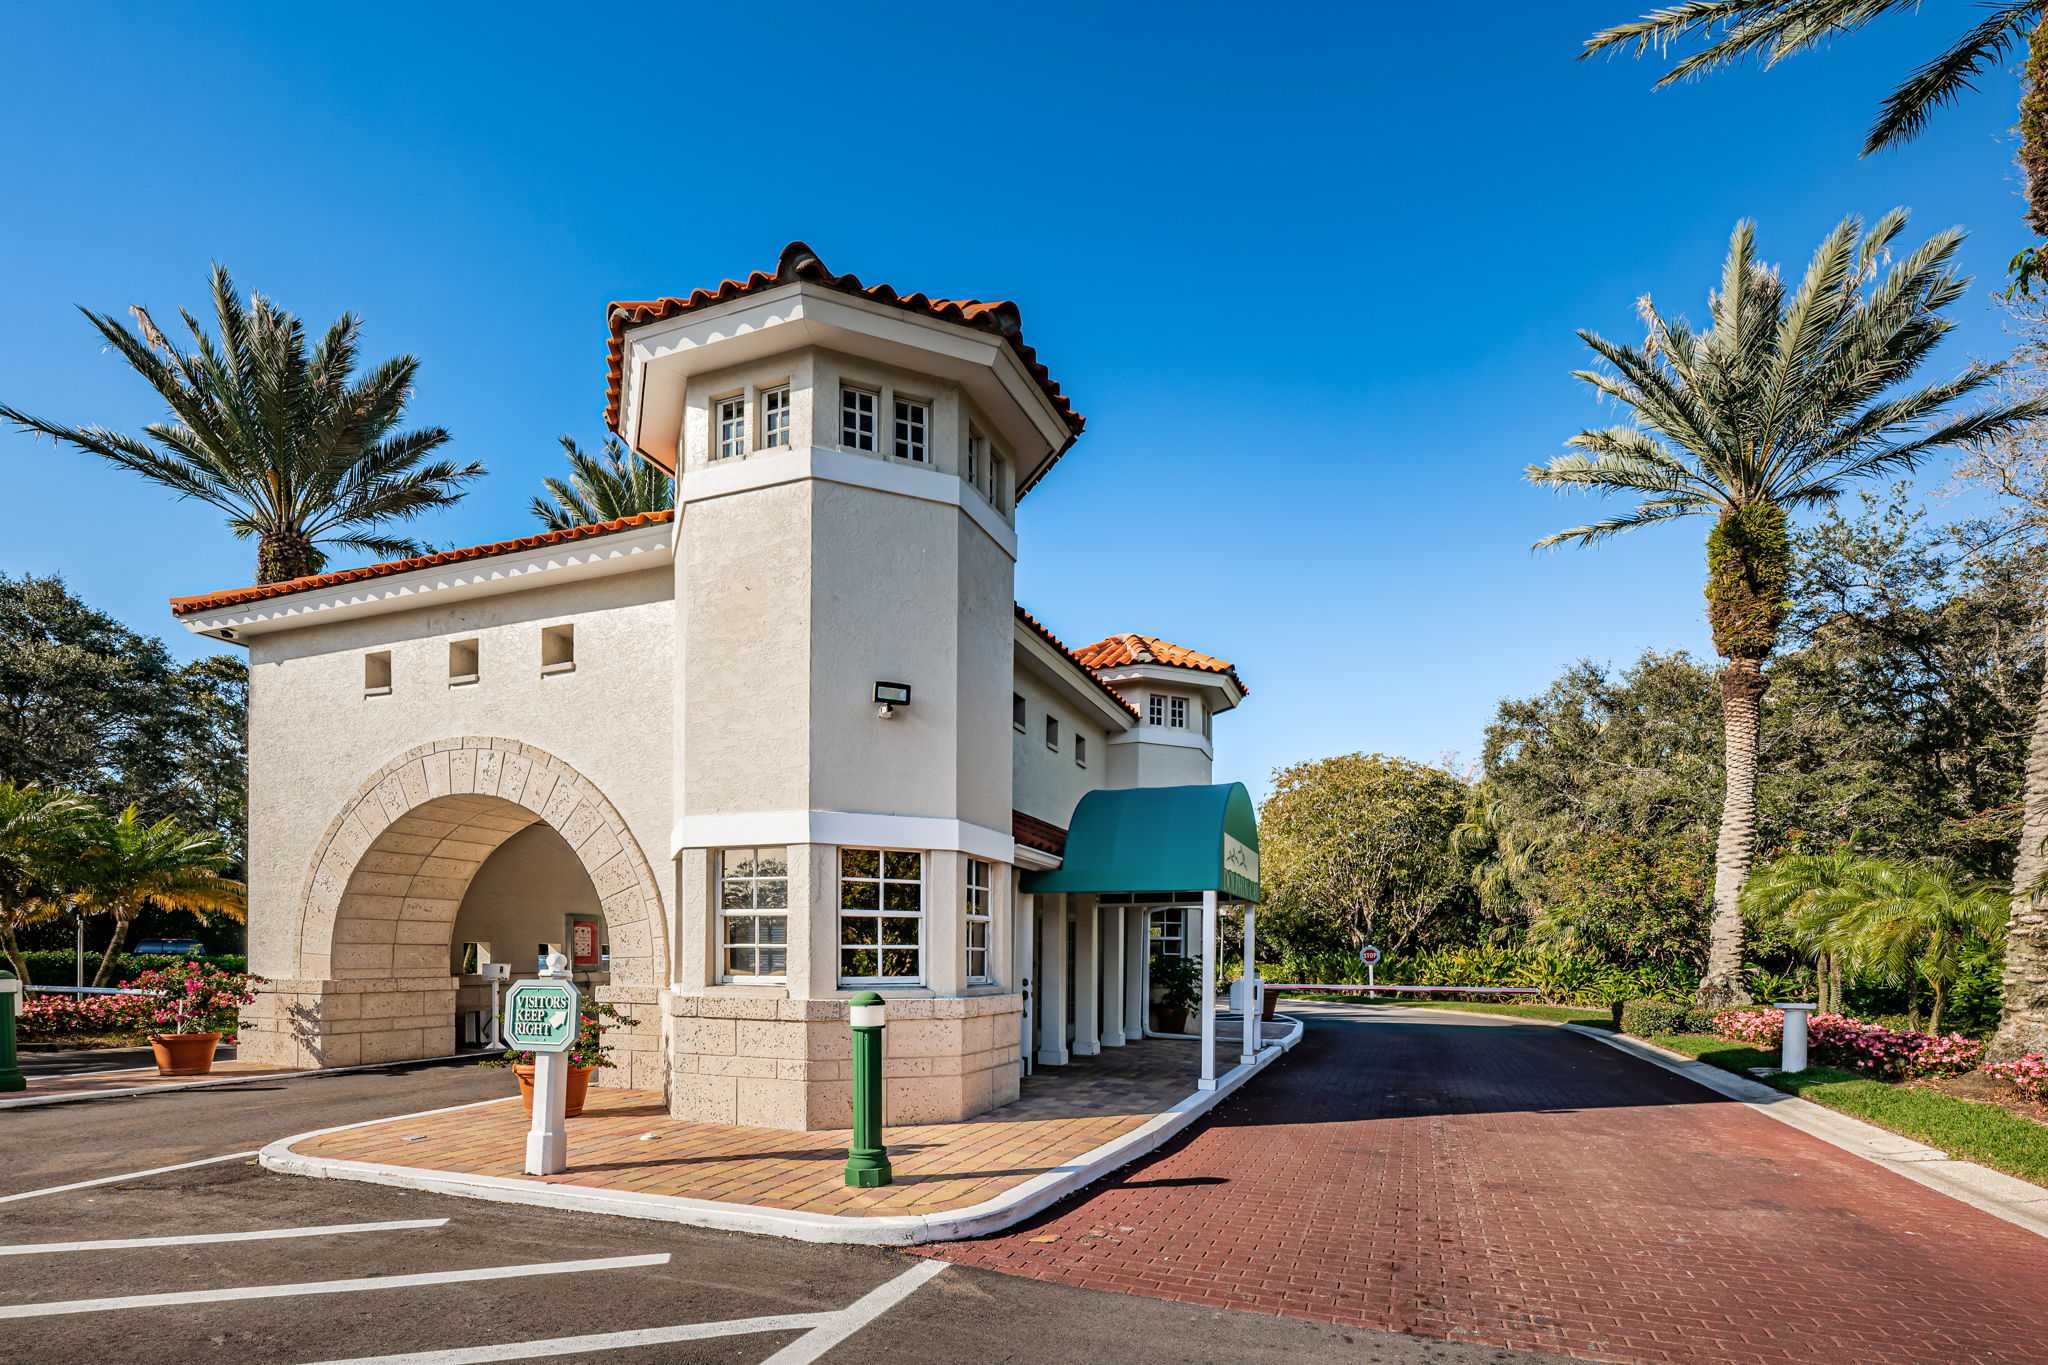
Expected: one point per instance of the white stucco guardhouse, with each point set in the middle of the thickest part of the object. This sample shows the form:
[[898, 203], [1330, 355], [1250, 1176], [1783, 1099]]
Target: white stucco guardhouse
[[792, 741]]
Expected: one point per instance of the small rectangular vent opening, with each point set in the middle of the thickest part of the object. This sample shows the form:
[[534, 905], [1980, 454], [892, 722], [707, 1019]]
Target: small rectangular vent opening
[[377, 673], [557, 649], [462, 667]]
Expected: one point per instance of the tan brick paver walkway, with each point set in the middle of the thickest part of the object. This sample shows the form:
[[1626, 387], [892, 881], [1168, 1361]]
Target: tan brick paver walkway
[[624, 1140]]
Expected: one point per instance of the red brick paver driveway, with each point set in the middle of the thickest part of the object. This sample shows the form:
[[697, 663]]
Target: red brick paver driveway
[[1520, 1186]]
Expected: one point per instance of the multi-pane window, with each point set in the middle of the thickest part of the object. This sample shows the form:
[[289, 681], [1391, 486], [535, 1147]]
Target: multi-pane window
[[998, 481], [1169, 931], [857, 419], [732, 427], [977, 456], [1081, 751], [1052, 732], [977, 920], [775, 417], [1155, 709], [1017, 710], [753, 911], [1177, 712], [912, 421], [881, 915]]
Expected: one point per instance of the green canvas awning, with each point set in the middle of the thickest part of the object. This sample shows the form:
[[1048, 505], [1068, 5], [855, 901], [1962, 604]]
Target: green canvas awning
[[1160, 839]]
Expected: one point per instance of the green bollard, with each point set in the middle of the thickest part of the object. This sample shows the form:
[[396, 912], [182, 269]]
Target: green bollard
[[867, 1165], [10, 1070]]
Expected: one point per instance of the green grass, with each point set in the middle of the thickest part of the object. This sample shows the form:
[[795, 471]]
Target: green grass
[[1563, 1014], [1983, 1133]]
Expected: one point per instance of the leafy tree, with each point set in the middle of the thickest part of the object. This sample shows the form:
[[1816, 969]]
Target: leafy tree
[[1632, 901], [1786, 398], [1771, 30], [131, 865], [41, 834], [1357, 849], [603, 488], [295, 448], [87, 704]]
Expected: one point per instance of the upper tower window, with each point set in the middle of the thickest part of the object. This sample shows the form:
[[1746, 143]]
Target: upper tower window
[[912, 422], [856, 419], [775, 417], [977, 456], [732, 427], [1177, 712], [1155, 709], [998, 481]]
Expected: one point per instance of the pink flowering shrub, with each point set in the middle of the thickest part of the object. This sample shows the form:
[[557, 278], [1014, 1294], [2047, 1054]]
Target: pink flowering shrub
[[2028, 1075], [1761, 1029], [194, 997], [46, 1018], [1853, 1045]]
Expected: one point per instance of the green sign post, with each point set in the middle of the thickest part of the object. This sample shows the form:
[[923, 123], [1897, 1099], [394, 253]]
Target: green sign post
[[543, 1017], [10, 1070]]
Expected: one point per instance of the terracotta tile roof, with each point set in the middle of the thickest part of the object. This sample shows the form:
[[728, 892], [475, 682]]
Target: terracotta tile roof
[[1042, 835], [185, 606], [799, 262], [1028, 619], [1123, 651]]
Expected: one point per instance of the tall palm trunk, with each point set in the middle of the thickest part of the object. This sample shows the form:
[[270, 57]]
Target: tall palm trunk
[[2034, 130], [282, 555], [1742, 694], [2023, 1018], [122, 919]]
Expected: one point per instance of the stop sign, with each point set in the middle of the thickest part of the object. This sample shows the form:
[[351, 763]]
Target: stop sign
[[1368, 955]]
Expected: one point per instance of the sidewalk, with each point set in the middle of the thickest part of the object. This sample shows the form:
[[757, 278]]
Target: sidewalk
[[50, 1089], [1072, 1125]]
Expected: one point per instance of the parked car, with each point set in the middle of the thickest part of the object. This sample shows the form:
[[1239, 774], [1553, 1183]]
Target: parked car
[[170, 945]]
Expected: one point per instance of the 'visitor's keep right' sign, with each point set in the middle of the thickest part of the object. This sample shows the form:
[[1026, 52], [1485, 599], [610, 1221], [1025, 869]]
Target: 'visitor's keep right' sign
[[542, 1016]]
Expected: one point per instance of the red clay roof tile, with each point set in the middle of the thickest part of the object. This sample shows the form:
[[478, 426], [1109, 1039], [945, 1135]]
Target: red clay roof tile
[[799, 262], [185, 606], [1028, 619], [1042, 835], [1124, 651]]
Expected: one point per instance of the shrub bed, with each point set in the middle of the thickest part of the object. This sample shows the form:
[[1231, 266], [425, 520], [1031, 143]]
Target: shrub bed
[[48, 1018], [1854, 1045], [2028, 1076]]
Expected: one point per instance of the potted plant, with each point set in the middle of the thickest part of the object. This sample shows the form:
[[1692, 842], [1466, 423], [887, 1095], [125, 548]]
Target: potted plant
[[1179, 983], [192, 1005], [586, 1055]]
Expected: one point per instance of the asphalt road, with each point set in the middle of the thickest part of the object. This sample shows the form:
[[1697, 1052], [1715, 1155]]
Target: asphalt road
[[486, 1275]]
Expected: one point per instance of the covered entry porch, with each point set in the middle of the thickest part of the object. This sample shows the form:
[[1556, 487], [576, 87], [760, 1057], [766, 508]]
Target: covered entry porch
[[1145, 871]]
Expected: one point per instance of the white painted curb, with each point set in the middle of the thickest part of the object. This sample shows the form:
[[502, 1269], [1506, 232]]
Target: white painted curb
[[976, 1220], [2003, 1196], [210, 1083]]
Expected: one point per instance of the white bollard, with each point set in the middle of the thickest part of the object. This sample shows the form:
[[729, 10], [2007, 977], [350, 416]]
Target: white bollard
[[1792, 1053]]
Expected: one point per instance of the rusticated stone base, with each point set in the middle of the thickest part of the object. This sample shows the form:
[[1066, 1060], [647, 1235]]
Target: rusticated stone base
[[351, 1022], [769, 1063]]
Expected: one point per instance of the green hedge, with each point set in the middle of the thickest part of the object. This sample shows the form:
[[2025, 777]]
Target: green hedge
[[1648, 1018], [57, 967]]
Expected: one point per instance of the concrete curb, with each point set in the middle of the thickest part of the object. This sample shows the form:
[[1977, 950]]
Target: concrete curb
[[992, 1215], [210, 1083], [1996, 1193]]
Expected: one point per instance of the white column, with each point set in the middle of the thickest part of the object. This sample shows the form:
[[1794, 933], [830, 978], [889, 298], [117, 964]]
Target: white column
[[1248, 1050], [1110, 918], [1051, 986], [1137, 973], [1208, 992], [1792, 1049], [1087, 978]]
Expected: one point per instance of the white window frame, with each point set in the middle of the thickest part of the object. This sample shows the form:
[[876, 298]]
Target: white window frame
[[1177, 713], [910, 429], [882, 882], [755, 884], [978, 910], [1164, 934], [998, 480], [778, 417], [1155, 709], [729, 427], [851, 410], [977, 455]]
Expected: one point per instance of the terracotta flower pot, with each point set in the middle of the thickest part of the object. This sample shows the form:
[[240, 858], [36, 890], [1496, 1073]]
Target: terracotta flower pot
[[1172, 1020], [1272, 1005], [184, 1054], [577, 1090]]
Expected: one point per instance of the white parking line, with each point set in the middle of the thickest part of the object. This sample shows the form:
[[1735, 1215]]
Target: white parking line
[[286, 1291], [597, 1341], [199, 1238], [837, 1327], [825, 1330], [132, 1175]]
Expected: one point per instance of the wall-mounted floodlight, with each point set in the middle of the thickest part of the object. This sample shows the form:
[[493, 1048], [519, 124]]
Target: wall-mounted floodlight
[[889, 696]]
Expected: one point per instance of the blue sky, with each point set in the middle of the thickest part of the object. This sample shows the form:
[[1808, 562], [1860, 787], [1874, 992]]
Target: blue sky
[[1312, 272]]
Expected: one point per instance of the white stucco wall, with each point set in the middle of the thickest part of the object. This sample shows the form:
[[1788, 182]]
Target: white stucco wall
[[314, 736], [1049, 784]]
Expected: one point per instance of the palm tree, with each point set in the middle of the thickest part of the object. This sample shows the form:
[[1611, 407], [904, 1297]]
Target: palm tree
[[1908, 922], [603, 489], [1808, 893], [1784, 400], [1772, 30], [41, 833], [132, 865], [297, 450]]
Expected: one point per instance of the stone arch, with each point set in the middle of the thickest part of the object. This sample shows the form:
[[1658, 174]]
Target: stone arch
[[387, 880]]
